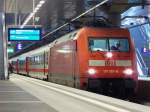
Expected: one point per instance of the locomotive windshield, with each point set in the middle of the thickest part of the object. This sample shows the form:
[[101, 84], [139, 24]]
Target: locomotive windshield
[[121, 45], [98, 44]]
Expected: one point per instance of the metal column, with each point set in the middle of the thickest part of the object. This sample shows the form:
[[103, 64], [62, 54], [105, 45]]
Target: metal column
[[3, 43]]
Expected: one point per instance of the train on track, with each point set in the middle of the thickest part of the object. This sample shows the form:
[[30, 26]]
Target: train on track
[[97, 59]]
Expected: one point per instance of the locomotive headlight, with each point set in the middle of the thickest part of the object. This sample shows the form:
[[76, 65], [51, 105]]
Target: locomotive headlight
[[109, 55], [91, 71], [128, 71]]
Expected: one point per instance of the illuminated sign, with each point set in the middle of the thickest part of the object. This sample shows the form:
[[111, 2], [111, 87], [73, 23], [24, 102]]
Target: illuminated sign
[[146, 49], [24, 34], [10, 50], [19, 46]]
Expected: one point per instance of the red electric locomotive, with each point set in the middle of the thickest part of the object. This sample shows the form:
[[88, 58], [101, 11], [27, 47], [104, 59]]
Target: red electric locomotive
[[99, 59]]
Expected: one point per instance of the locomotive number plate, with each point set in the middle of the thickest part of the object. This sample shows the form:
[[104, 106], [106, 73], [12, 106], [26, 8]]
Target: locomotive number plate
[[110, 63]]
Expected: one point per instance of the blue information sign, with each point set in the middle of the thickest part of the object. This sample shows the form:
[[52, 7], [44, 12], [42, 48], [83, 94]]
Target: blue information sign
[[24, 34]]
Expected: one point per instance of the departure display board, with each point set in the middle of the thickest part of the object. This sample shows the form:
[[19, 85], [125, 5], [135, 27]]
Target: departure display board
[[24, 34]]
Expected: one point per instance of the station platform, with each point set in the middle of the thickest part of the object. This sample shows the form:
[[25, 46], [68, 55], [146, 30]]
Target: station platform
[[15, 99], [24, 94]]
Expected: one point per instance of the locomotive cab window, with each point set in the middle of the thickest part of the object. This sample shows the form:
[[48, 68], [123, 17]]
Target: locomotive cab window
[[108, 44], [98, 44], [120, 45]]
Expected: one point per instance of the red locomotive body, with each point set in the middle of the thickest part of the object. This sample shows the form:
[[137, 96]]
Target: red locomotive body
[[98, 59], [88, 60]]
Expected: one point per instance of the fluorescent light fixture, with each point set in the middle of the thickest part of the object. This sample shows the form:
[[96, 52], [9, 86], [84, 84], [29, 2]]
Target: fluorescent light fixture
[[39, 5], [9, 42], [37, 8], [42, 2]]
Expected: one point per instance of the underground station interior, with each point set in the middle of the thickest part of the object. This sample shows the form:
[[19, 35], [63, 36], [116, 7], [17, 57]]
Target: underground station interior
[[75, 56]]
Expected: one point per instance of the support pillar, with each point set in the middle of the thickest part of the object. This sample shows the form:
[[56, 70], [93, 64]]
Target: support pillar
[[3, 43]]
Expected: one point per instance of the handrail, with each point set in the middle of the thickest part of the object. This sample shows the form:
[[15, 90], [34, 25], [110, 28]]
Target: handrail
[[139, 61], [144, 69], [141, 57], [143, 32]]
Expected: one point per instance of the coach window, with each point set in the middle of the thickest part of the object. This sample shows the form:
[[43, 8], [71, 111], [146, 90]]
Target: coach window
[[31, 61], [41, 59], [37, 60], [46, 57]]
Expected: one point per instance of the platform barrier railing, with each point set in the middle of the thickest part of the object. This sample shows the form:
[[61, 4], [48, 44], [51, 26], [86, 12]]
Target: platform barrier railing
[[142, 68]]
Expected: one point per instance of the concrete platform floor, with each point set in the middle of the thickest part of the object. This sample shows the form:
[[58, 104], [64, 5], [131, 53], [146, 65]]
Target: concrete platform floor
[[15, 99], [24, 94]]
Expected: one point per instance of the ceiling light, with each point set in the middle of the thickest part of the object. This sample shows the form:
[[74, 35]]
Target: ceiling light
[[42, 2], [39, 5], [36, 9]]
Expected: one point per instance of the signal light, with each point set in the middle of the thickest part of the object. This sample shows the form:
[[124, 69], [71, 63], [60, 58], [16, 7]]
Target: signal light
[[91, 71], [128, 71], [109, 55]]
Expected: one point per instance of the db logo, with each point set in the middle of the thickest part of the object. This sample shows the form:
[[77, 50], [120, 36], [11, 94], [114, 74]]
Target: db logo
[[110, 63]]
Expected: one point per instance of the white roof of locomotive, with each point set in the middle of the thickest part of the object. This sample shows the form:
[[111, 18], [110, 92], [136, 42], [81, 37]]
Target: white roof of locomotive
[[69, 36]]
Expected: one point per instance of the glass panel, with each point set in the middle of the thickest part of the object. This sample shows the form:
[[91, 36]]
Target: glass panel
[[98, 44], [120, 45]]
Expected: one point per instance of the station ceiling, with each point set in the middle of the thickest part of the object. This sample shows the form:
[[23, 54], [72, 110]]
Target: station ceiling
[[56, 12]]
